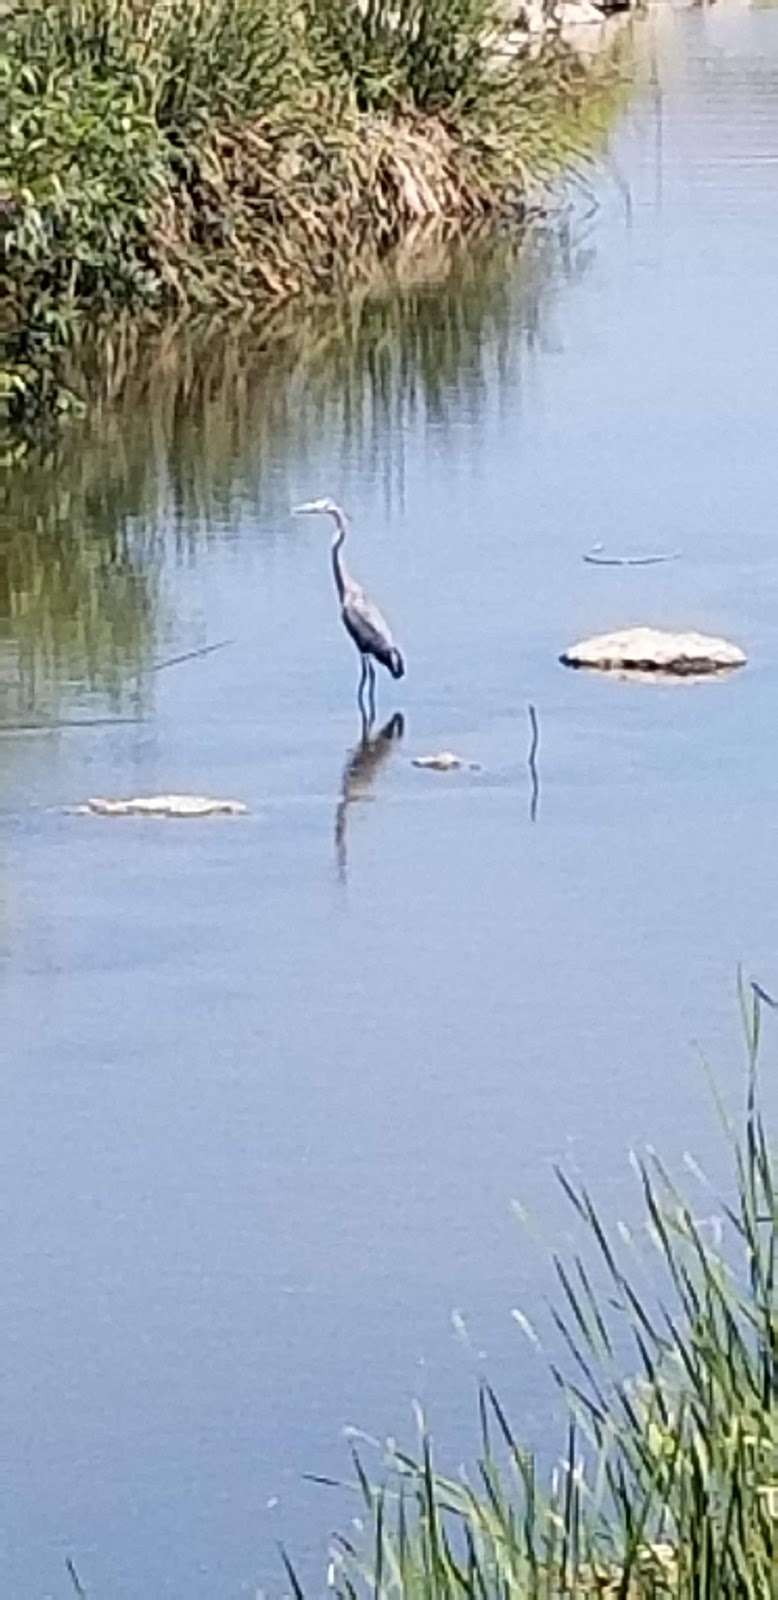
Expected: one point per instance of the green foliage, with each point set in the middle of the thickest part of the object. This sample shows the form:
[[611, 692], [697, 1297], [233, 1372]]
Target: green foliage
[[156, 154], [426, 54], [667, 1485]]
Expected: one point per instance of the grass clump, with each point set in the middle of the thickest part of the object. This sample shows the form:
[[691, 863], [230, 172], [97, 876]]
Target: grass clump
[[429, 54], [159, 155], [667, 1484]]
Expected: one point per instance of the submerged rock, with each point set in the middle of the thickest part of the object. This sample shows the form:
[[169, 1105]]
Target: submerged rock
[[165, 805], [445, 761], [652, 650]]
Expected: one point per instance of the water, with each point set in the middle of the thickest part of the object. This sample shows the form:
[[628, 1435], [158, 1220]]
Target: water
[[270, 1084]]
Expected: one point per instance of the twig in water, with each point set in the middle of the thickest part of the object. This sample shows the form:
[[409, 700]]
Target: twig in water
[[763, 995], [110, 722], [75, 1580], [190, 655], [68, 722], [531, 761], [595, 560]]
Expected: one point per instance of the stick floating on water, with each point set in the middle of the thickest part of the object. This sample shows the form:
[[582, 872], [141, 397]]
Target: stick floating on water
[[111, 722], [69, 722], [594, 558], [74, 1578], [190, 655], [532, 762], [762, 994]]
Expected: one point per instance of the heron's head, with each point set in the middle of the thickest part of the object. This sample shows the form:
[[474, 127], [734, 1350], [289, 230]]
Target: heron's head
[[312, 507]]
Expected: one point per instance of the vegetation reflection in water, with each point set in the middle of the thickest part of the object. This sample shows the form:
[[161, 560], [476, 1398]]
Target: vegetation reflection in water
[[85, 531], [79, 599]]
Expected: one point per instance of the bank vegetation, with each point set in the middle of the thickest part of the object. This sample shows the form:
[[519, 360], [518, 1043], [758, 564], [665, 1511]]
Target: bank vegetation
[[169, 156]]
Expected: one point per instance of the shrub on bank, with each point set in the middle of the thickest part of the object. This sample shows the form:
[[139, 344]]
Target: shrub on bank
[[156, 154]]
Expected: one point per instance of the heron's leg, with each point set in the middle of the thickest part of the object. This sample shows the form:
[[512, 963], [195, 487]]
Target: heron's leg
[[361, 689], [371, 690]]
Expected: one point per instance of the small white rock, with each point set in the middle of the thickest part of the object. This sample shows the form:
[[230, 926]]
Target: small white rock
[[165, 805], [445, 761], [649, 650]]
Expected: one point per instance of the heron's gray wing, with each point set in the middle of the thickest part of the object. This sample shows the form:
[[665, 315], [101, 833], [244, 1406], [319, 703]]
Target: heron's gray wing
[[369, 630]]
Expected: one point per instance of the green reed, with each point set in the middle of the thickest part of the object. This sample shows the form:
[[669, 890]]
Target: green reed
[[667, 1484], [425, 53]]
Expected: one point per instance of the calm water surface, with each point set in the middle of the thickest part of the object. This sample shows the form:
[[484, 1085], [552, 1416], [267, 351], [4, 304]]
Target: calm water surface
[[270, 1085]]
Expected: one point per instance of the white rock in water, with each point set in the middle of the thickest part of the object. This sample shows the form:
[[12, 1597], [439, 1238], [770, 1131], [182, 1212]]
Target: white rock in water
[[446, 761], [165, 805], [649, 650]]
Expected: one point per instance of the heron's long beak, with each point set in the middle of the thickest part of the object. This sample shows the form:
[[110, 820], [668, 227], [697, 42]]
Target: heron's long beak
[[308, 505]]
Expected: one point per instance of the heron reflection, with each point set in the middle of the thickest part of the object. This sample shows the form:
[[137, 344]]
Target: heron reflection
[[359, 774]]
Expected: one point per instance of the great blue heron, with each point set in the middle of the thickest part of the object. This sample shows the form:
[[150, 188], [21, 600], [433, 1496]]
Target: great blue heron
[[361, 619]]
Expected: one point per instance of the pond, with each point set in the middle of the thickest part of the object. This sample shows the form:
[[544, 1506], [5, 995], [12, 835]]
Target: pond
[[272, 1082]]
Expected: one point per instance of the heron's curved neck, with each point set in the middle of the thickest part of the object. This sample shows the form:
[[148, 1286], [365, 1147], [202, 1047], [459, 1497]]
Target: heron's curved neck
[[338, 565]]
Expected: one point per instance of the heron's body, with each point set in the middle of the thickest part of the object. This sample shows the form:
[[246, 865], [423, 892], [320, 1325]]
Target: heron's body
[[361, 618], [370, 631]]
